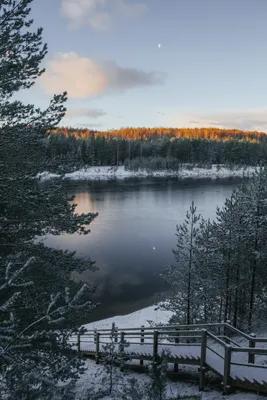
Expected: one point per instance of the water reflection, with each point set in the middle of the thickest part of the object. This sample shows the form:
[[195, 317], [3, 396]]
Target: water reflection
[[135, 216]]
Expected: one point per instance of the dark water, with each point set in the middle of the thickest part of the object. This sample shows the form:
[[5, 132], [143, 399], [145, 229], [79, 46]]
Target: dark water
[[135, 216]]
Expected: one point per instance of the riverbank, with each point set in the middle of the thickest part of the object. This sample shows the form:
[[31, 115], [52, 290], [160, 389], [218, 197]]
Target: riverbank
[[187, 171]]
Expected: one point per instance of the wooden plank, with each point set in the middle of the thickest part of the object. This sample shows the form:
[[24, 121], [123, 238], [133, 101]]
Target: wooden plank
[[142, 340], [251, 386], [203, 353], [177, 340], [227, 368]]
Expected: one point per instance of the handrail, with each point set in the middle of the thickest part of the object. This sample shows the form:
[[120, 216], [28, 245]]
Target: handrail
[[252, 350], [176, 326], [178, 332], [216, 339], [259, 340], [232, 328], [248, 365], [229, 339], [178, 344]]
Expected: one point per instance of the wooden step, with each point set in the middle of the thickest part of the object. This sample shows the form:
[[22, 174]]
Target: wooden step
[[256, 382]]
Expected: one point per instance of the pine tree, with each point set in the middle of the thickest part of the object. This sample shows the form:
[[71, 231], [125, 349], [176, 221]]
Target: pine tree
[[114, 359], [207, 295], [224, 275], [181, 277], [226, 239], [253, 197], [40, 305]]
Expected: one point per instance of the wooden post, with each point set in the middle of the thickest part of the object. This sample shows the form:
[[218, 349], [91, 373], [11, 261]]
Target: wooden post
[[121, 348], [97, 346], [122, 341], [176, 340], [114, 330], [79, 341], [95, 332], [155, 346], [251, 357], [227, 369], [116, 336], [219, 331], [203, 359], [227, 332], [142, 340], [224, 328]]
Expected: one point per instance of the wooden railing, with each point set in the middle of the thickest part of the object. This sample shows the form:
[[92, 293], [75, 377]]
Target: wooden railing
[[203, 335]]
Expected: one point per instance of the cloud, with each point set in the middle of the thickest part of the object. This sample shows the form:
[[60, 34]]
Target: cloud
[[85, 112], [83, 77], [244, 119], [100, 14]]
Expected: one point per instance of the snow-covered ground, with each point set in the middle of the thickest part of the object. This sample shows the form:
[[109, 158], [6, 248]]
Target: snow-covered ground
[[95, 375], [133, 320], [94, 379], [106, 173]]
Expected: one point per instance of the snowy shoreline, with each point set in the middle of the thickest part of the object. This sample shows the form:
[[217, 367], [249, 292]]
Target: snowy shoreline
[[187, 171], [136, 319]]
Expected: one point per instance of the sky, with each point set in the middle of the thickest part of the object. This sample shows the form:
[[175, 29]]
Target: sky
[[210, 69]]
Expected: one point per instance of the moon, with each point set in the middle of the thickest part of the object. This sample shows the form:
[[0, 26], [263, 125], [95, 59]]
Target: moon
[[159, 45]]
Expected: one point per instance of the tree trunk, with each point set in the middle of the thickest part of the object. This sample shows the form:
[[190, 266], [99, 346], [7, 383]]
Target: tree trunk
[[236, 297], [228, 272], [252, 291], [129, 149], [189, 273], [220, 309], [253, 273], [118, 153], [227, 293]]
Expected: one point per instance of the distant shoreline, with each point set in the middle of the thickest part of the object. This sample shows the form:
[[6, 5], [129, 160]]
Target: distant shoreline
[[187, 171]]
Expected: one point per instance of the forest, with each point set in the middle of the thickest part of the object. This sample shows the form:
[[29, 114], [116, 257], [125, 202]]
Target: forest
[[120, 147], [219, 272]]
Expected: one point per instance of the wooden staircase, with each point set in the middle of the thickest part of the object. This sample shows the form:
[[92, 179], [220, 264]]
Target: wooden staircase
[[212, 347]]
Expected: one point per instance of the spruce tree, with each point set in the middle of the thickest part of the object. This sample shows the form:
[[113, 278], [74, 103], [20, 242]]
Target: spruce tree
[[181, 277]]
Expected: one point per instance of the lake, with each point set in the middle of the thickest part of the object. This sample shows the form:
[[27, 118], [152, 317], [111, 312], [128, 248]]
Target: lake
[[135, 216]]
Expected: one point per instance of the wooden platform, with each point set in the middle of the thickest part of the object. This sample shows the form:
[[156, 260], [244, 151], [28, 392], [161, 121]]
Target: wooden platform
[[189, 344]]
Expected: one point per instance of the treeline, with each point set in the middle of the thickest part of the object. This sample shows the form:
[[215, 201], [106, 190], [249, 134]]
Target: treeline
[[220, 271], [95, 149], [143, 133]]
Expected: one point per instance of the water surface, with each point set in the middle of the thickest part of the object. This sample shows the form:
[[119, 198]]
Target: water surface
[[135, 215]]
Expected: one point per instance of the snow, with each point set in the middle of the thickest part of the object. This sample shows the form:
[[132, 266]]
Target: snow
[[94, 373], [187, 171], [44, 176], [133, 320], [151, 315]]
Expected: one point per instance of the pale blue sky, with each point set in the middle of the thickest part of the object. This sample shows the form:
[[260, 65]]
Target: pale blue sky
[[210, 70]]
